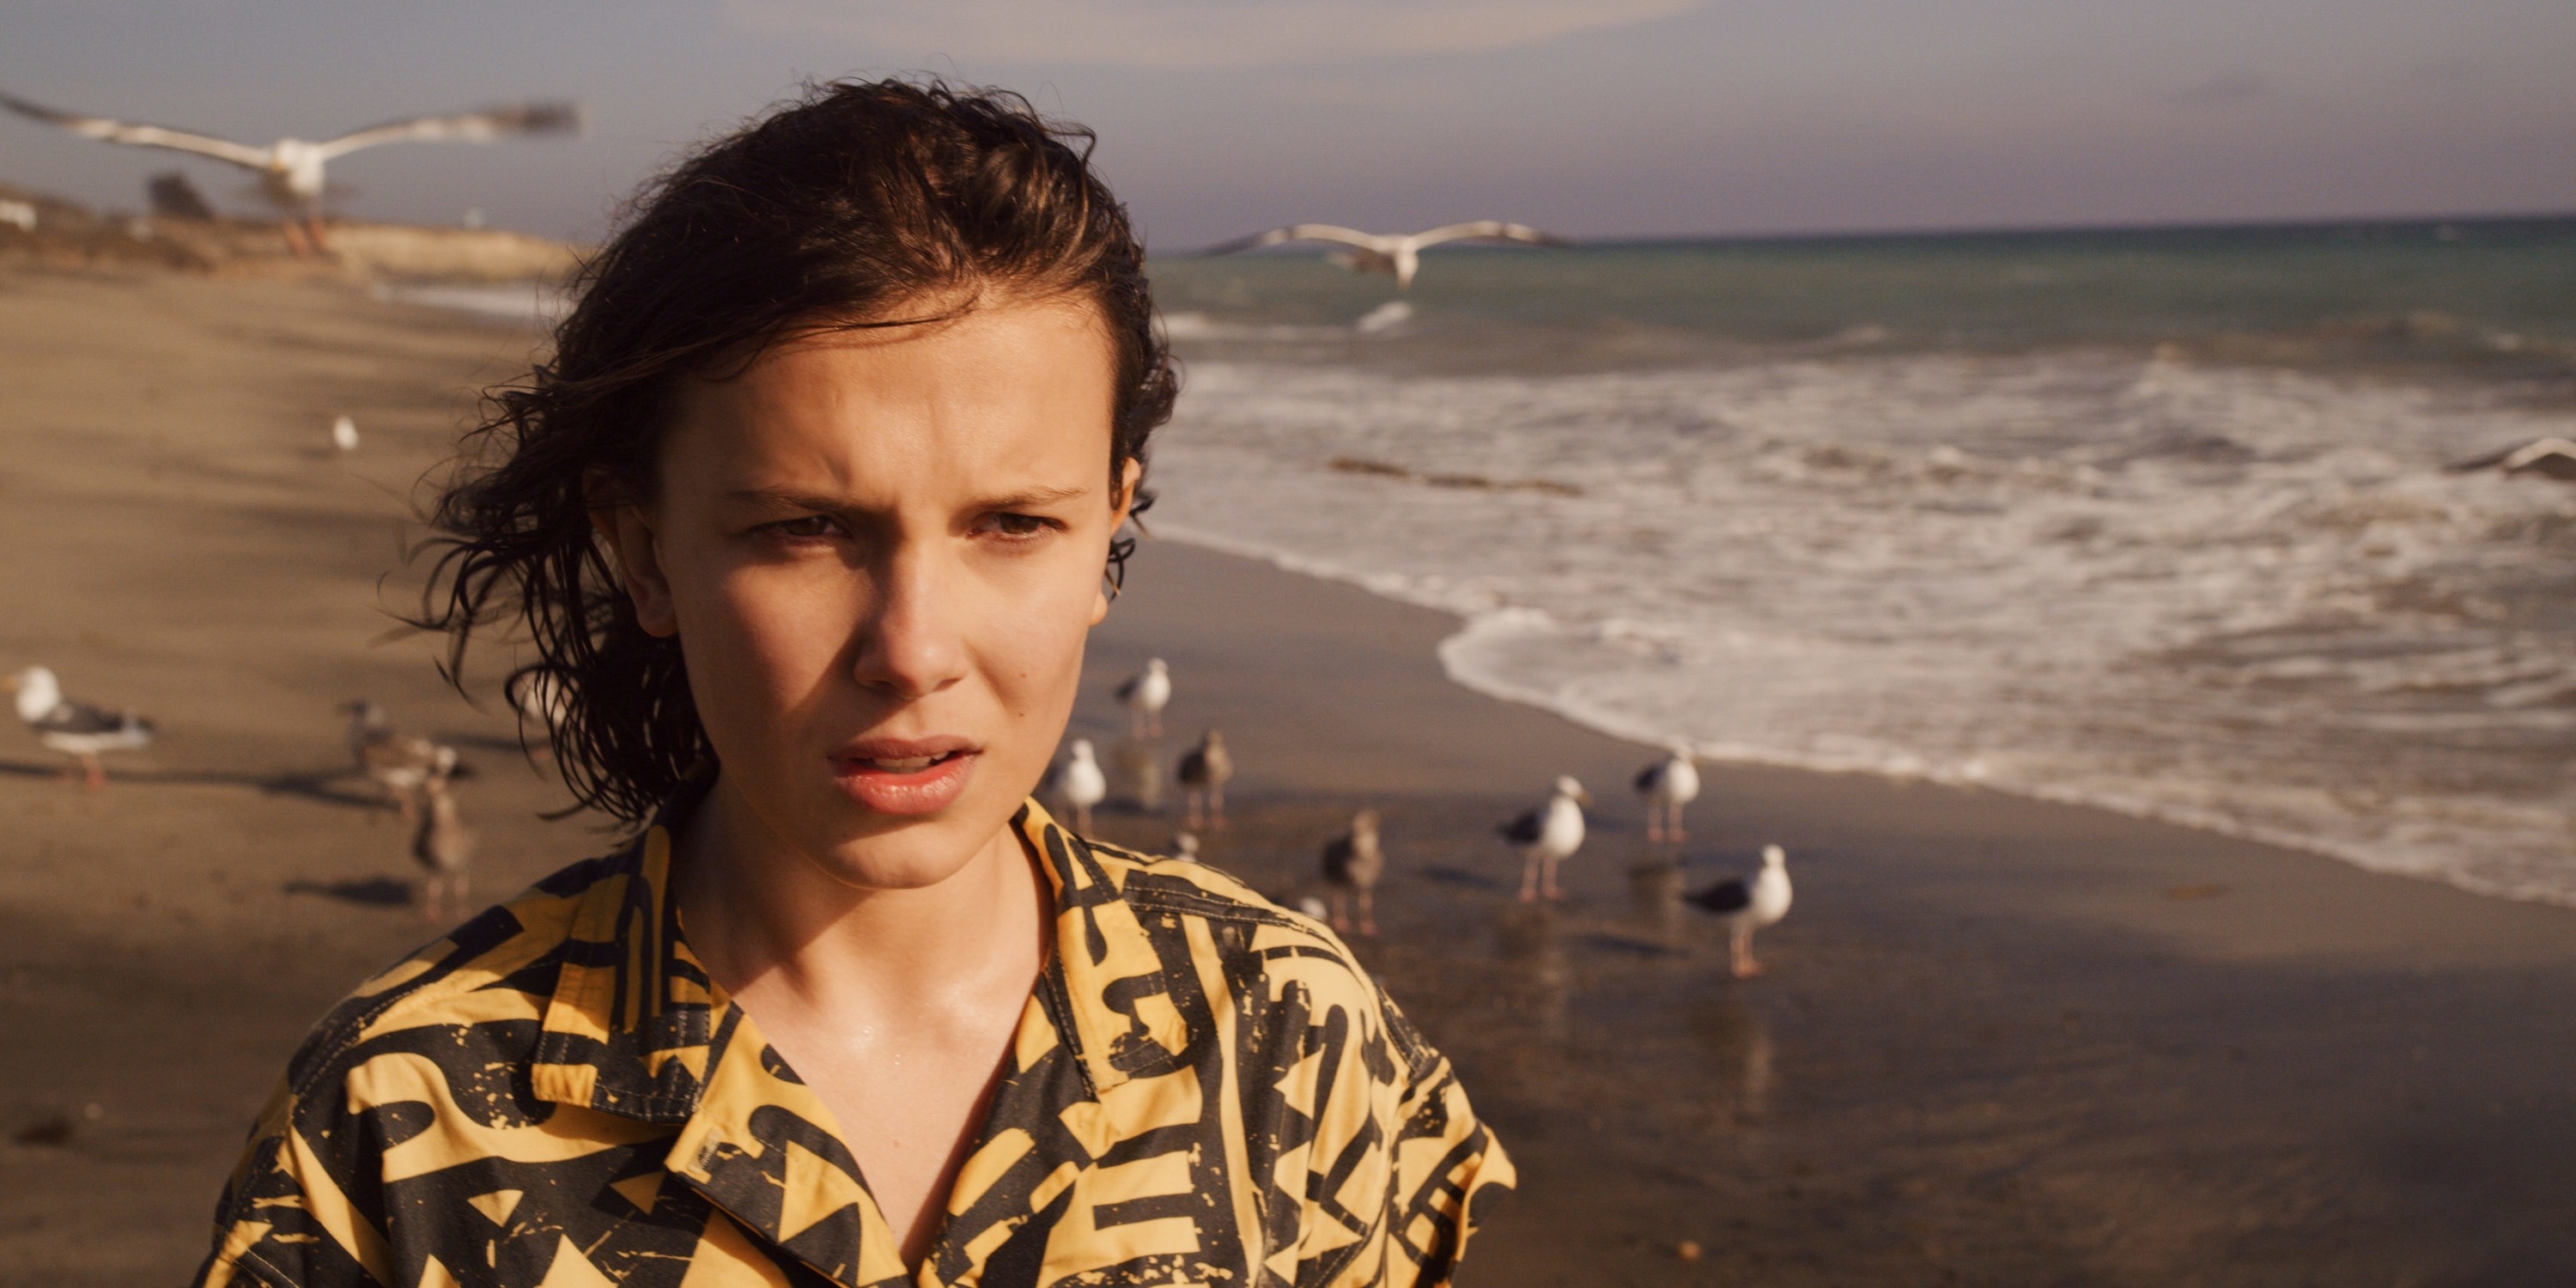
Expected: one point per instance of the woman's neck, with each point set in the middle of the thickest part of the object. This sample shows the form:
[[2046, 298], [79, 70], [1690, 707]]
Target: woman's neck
[[766, 919]]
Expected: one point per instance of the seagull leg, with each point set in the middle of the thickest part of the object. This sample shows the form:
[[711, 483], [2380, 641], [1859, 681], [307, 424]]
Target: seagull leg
[[1673, 826], [1216, 807], [1368, 913], [95, 776], [1740, 947], [1341, 910], [1549, 869], [1529, 878], [1082, 819]]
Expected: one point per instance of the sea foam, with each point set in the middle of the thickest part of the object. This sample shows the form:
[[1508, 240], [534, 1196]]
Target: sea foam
[[2242, 599]]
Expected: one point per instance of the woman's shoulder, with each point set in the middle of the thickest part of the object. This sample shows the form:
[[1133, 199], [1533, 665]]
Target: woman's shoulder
[[483, 987], [1256, 925]]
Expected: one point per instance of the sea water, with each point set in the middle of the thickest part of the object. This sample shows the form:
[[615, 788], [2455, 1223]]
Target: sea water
[[2163, 521]]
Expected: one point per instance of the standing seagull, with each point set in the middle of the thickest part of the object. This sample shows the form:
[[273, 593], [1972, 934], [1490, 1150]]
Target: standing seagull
[[1399, 254], [1146, 695], [401, 763], [1203, 771], [1352, 864], [1749, 905], [1081, 783], [290, 170], [1548, 835], [1668, 785], [75, 728], [444, 848]]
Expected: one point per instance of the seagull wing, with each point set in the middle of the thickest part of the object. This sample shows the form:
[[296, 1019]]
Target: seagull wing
[[472, 127], [1650, 777], [1726, 896], [80, 718], [1526, 829], [1487, 230], [142, 136], [1301, 232]]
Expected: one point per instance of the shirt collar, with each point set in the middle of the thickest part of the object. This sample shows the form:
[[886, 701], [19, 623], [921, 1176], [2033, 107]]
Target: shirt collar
[[635, 1028]]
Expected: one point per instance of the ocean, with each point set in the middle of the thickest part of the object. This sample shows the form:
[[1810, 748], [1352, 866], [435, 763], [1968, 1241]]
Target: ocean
[[2163, 521]]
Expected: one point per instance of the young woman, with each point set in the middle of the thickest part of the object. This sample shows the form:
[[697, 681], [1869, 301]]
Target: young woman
[[808, 518]]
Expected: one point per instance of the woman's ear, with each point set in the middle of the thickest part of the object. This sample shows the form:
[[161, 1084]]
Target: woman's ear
[[1128, 477], [1127, 480], [637, 550]]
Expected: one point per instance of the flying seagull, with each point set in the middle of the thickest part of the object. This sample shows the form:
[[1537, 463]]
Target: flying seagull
[[290, 170], [1399, 254]]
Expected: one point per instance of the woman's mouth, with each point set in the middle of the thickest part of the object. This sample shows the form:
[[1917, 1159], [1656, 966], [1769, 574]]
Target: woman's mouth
[[905, 775]]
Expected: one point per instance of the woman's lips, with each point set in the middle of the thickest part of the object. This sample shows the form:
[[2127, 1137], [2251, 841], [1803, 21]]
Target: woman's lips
[[905, 777]]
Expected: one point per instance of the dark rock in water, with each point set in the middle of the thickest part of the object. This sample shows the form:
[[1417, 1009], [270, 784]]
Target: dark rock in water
[[173, 197], [53, 1129], [2548, 457]]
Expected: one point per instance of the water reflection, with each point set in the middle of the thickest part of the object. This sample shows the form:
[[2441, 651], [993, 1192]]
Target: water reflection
[[1655, 896], [1136, 768], [1736, 1040], [1536, 979]]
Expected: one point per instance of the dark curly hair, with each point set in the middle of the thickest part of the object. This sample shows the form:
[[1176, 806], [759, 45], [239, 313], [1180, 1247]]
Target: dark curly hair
[[844, 209]]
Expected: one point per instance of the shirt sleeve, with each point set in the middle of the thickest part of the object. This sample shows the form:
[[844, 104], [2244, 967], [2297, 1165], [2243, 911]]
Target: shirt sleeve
[[283, 1222], [1447, 1170]]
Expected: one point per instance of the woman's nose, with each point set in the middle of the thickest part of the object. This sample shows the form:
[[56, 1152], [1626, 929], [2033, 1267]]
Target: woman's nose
[[914, 646]]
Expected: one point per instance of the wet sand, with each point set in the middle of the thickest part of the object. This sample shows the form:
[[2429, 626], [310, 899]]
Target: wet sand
[[2000, 1041]]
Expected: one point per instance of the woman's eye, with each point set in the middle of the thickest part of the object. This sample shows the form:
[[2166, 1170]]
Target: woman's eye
[[1016, 525], [812, 525]]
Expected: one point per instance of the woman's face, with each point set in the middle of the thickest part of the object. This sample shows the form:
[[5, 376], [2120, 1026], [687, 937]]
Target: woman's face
[[881, 552]]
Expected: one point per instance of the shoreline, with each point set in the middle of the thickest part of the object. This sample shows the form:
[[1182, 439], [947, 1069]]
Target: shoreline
[[1610, 724]]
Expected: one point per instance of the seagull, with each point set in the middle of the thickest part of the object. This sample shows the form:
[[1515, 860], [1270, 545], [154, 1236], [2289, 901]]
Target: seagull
[[1352, 864], [1146, 694], [1203, 771], [344, 434], [75, 728], [444, 848], [1081, 783], [1399, 254], [1748, 905], [399, 762], [290, 170], [1548, 836], [1668, 785]]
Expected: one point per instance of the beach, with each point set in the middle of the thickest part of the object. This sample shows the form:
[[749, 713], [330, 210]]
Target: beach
[[2000, 1040]]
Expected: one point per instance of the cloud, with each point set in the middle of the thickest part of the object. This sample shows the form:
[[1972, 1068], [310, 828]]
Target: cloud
[[1194, 33]]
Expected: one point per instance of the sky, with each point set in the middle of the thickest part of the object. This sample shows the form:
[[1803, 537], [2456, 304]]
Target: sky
[[1599, 119]]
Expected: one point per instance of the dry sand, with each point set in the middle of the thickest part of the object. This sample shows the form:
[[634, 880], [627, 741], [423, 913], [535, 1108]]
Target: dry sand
[[2001, 1042]]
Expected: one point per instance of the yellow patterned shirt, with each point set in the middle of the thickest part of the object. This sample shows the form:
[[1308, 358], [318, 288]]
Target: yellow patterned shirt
[[1203, 1089]]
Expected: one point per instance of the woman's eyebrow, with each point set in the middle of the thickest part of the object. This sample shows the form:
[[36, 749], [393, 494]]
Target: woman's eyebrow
[[1029, 497], [1017, 499]]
